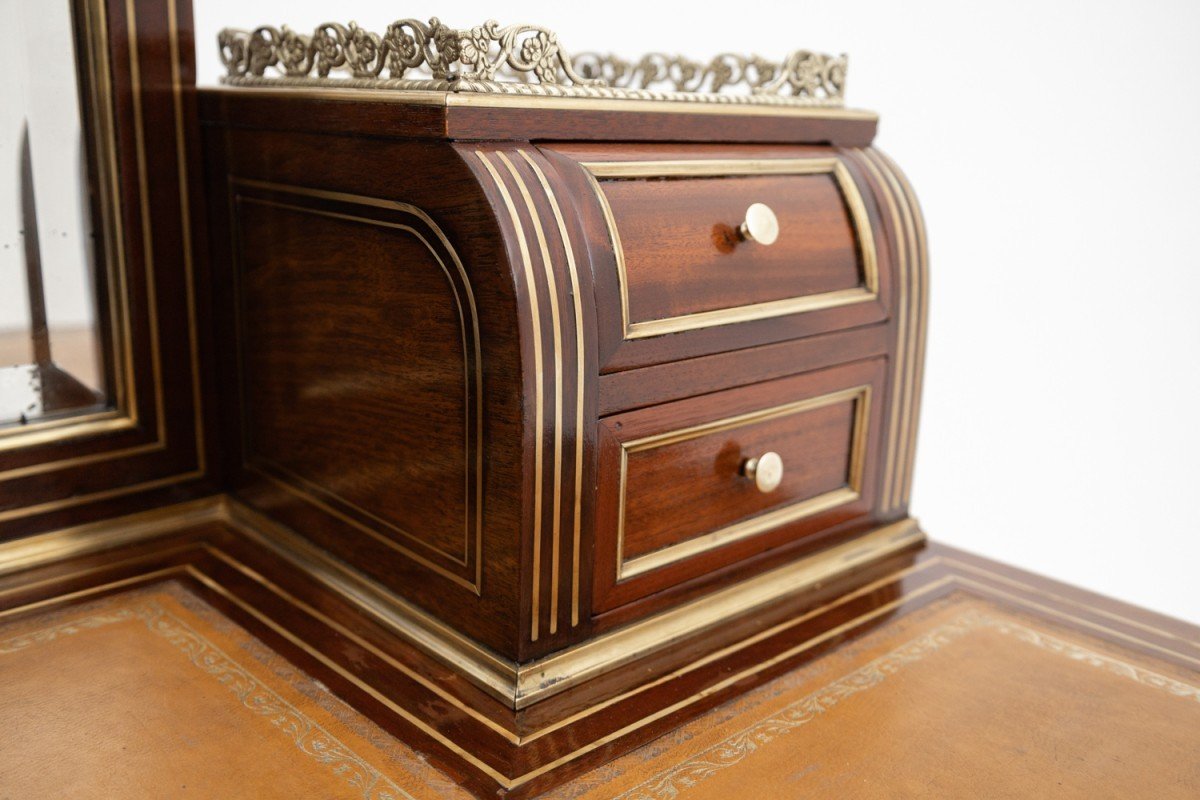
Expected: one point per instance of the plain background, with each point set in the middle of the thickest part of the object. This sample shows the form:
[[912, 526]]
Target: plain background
[[1054, 147]]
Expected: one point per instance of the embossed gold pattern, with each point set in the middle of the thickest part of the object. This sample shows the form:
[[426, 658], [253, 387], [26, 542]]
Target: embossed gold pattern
[[729, 752], [309, 737]]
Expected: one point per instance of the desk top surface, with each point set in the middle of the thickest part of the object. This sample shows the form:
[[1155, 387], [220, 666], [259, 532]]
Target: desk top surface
[[975, 680]]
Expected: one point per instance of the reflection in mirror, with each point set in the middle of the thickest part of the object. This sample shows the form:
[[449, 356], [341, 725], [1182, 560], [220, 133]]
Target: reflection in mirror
[[51, 362]]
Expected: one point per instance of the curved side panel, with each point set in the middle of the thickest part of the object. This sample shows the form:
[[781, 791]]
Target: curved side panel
[[329, 376], [906, 229], [548, 255]]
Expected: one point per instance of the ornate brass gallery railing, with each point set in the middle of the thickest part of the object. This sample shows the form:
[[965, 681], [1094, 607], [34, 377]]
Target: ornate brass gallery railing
[[518, 59]]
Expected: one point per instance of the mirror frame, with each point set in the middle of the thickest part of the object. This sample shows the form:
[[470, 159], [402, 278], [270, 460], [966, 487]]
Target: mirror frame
[[137, 81]]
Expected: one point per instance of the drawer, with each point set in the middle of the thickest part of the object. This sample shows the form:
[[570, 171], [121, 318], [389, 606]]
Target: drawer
[[679, 496], [683, 266]]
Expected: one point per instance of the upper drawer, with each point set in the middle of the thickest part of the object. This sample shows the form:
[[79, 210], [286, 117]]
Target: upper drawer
[[686, 281]]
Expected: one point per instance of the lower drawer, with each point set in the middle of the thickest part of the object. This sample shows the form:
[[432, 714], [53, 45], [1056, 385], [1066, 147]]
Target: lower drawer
[[700, 484]]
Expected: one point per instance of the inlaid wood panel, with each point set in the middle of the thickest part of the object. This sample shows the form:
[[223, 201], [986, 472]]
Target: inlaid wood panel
[[331, 378]]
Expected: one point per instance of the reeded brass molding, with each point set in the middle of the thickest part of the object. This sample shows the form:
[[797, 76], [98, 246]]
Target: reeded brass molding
[[912, 305], [577, 664], [94, 537], [517, 59], [517, 685]]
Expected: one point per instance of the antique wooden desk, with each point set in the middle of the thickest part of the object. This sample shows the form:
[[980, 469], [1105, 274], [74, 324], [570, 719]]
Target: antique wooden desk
[[505, 423]]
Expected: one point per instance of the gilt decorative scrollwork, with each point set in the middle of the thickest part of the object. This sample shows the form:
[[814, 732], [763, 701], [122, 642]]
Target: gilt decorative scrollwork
[[445, 53], [517, 59]]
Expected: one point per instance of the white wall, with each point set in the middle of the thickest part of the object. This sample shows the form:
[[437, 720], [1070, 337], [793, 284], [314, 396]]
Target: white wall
[[1054, 147]]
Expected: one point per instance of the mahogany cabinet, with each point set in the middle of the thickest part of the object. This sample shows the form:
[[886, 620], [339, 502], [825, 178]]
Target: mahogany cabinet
[[515, 359], [532, 416]]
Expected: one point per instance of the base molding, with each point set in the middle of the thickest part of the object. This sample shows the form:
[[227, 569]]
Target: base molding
[[519, 686], [495, 725]]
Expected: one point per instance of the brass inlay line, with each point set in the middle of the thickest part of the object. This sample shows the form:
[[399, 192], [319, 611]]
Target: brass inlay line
[[156, 555], [921, 278], [556, 323], [37, 432], [742, 644], [362, 685], [852, 491], [1044, 609], [906, 388], [580, 376], [610, 650], [143, 181], [491, 672], [94, 537], [413, 675], [147, 577], [474, 345], [539, 400], [995, 576], [895, 393], [69, 502]]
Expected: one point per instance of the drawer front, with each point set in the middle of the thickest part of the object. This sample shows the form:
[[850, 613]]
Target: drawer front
[[683, 266], [678, 497]]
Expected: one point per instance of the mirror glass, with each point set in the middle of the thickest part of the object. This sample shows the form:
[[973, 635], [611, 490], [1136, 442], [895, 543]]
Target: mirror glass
[[51, 340]]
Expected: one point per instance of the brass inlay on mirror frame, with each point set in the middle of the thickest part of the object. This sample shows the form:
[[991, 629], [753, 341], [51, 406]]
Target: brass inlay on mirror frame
[[96, 95], [125, 415], [761, 523], [728, 168]]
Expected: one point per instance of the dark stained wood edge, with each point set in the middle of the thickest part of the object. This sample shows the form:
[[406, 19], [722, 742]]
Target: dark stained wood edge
[[356, 114], [661, 383]]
